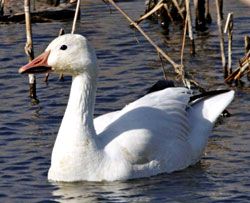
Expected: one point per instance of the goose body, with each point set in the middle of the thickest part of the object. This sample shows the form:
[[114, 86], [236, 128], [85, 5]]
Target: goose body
[[160, 132]]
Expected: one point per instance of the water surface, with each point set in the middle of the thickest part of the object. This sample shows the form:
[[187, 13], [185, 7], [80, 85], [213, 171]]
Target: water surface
[[128, 68]]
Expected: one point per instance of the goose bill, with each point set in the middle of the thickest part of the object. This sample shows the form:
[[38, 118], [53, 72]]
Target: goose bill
[[37, 65]]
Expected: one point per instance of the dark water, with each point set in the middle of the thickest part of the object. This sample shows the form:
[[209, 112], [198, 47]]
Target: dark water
[[128, 68]]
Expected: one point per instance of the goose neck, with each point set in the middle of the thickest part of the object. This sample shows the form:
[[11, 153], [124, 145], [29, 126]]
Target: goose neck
[[77, 123]]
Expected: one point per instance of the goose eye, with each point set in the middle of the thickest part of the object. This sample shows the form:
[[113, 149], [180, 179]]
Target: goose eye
[[63, 47]]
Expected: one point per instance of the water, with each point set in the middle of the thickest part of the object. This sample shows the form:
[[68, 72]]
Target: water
[[128, 68]]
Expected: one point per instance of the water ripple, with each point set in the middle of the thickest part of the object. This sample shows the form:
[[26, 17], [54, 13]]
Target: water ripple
[[127, 70]]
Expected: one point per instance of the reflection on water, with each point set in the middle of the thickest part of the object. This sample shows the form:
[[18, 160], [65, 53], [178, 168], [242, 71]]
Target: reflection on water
[[159, 188], [128, 68]]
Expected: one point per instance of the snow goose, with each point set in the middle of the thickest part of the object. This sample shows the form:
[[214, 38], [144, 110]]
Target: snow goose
[[161, 132]]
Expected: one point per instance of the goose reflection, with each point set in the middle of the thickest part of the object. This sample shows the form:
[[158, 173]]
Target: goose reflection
[[175, 187]]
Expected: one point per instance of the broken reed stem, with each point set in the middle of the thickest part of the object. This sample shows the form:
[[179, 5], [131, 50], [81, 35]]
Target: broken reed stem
[[29, 44], [156, 7], [190, 29], [29, 47], [76, 16], [176, 66], [219, 23], [247, 43], [247, 49], [179, 69], [184, 39], [229, 30], [244, 67], [230, 41]]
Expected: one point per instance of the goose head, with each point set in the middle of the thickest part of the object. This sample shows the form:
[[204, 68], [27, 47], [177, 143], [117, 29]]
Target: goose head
[[68, 54]]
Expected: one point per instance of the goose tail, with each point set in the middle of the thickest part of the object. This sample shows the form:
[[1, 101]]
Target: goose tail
[[202, 115]]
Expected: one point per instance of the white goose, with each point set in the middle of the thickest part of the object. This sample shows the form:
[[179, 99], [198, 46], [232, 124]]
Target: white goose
[[160, 132]]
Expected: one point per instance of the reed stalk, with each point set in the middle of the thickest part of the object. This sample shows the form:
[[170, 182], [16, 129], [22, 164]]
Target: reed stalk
[[222, 48], [244, 67], [184, 39], [158, 49], [29, 48], [247, 43], [229, 30], [247, 49], [179, 68], [190, 29], [152, 11], [76, 16]]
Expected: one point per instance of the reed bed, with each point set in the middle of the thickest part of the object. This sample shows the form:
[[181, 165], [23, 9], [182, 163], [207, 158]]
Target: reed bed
[[166, 12]]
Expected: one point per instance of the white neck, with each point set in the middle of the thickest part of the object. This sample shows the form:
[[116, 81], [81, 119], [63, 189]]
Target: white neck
[[78, 117], [76, 144]]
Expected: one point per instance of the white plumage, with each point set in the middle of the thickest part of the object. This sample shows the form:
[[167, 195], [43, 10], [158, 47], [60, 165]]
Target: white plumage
[[160, 132]]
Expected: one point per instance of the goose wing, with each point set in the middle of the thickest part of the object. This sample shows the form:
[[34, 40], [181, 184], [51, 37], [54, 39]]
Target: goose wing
[[150, 132]]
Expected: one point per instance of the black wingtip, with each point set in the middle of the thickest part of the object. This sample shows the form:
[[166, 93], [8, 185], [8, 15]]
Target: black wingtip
[[207, 94]]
